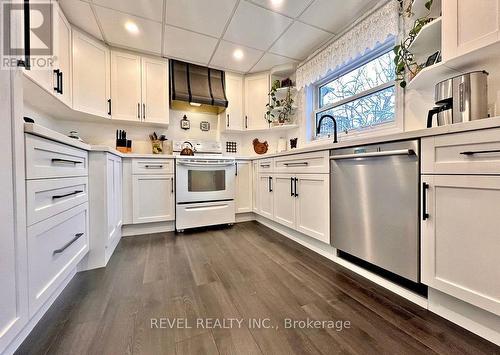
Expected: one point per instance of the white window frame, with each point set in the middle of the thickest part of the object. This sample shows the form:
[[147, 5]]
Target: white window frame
[[393, 126]]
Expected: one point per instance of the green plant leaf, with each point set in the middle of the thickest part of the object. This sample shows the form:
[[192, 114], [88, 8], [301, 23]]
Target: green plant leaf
[[428, 4]]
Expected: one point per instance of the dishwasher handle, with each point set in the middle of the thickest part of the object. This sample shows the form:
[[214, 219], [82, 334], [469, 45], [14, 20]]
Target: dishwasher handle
[[374, 154]]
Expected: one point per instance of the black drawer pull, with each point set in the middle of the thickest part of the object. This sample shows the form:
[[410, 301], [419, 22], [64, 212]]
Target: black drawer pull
[[469, 153], [68, 244], [66, 195], [296, 164], [153, 166], [66, 161]]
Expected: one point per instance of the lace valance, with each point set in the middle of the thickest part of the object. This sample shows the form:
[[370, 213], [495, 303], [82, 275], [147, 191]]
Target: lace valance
[[376, 28]]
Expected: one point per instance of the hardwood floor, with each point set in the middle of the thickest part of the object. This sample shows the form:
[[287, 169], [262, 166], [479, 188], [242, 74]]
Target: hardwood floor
[[245, 272]]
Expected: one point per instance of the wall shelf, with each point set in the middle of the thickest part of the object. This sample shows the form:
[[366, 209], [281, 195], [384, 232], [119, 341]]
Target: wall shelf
[[427, 41], [284, 127]]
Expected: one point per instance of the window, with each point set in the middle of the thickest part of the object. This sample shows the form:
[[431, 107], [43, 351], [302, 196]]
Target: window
[[358, 98]]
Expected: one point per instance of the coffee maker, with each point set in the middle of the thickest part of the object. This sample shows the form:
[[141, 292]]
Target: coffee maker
[[460, 99]]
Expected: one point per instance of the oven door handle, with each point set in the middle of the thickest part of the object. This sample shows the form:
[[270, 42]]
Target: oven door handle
[[205, 164]]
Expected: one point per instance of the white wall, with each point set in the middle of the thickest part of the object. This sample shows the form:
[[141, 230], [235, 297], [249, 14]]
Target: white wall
[[105, 132]]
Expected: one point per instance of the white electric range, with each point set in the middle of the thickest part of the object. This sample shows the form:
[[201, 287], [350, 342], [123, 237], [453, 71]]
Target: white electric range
[[204, 186]]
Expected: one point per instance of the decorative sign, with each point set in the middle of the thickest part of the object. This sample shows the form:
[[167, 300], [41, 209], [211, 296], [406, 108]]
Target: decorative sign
[[205, 126], [185, 123]]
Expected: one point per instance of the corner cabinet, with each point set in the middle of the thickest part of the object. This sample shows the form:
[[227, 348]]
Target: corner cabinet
[[91, 76], [256, 98], [462, 32], [243, 186], [460, 240]]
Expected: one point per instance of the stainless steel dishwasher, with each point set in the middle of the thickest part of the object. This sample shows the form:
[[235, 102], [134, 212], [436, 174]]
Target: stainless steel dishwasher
[[375, 203]]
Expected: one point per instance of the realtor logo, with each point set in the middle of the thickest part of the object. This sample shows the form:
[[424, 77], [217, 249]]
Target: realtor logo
[[39, 27]]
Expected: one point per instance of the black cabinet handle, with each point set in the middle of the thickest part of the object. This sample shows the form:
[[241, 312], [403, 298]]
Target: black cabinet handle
[[61, 83], [172, 189], [228, 120], [26, 63], [67, 245], [109, 107], [291, 187], [56, 86], [270, 184], [144, 111], [469, 153], [138, 110], [246, 121], [66, 161], [153, 166], [67, 195], [425, 187], [236, 172], [295, 187]]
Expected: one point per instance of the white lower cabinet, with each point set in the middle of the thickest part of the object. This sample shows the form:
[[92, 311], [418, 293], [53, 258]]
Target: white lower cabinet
[[265, 195], [284, 200], [243, 186], [301, 202], [460, 237], [55, 247], [313, 206], [153, 198]]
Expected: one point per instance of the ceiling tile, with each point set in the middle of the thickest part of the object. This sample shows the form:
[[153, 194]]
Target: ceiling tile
[[113, 25], [208, 17], [255, 27], [223, 57], [292, 8], [150, 9], [188, 46], [335, 15], [270, 60], [299, 41], [80, 15]]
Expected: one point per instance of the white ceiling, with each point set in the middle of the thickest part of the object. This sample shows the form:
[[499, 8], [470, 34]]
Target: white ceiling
[[207, 32]]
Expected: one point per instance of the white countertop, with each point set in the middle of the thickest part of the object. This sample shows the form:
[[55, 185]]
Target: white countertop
[[486, 123]]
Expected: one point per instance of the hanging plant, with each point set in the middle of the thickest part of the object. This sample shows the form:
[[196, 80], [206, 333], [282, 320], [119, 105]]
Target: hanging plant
[[404, 59], [280, 110]]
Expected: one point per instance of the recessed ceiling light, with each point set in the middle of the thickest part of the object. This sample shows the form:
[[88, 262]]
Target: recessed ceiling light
[[131, 27], [195, 104], [238, 54], [276, 2]]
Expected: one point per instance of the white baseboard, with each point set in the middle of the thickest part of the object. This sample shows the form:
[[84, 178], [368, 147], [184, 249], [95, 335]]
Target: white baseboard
[[475, 320], [245, 217], [129, 230], [23, 334]]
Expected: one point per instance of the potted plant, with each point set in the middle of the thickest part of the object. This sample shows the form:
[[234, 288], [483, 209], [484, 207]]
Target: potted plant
[[277, 110]]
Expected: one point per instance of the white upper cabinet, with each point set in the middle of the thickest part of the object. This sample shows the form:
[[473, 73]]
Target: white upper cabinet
[[256, 98], [91, 76], [62, 50], [233, 115], [139, 88], [125, 86], [155, 96], [469, 25]]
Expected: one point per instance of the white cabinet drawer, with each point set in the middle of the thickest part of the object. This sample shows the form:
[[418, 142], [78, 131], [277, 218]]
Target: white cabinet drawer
[[475, 152], [48, 197], [316, 162], [55, 246], [202, 214], [265, 166], [48, 159], [152, 166]]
